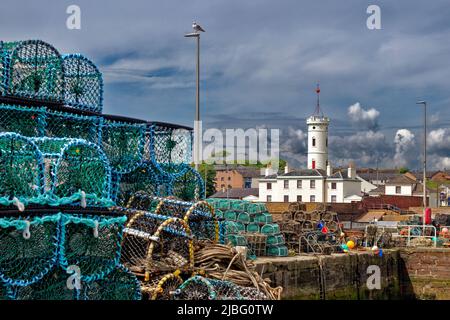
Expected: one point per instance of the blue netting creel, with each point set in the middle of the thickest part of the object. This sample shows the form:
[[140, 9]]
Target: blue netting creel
[[83, 83], [35, 71]]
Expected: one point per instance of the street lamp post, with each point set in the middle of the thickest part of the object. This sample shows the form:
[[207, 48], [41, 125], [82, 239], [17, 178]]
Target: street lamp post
[[424, 103], [196, 34]]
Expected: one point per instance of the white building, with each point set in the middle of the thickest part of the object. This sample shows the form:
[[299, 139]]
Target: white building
[[310, 185], [318, 183]]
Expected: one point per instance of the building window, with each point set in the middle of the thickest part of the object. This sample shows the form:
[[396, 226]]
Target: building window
[[286, 184], [313, 142], [222, 186], [312, 184], [398, 189], [229, 186], [269, 186], [229, 178], [269, 198], [299, 198], [248, 183], [221, 179], [333, 199], [333, 185], [286, 198], [312, 198], [299, 184]]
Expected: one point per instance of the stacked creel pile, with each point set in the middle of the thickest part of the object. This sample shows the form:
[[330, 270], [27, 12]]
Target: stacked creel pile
[[63, 165], [45, 94], [169, 243], [249, 224]]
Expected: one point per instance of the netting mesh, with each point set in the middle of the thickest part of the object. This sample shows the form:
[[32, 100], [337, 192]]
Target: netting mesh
[[28, 248], [200, 288], [123, 143], [35, 71], [52, 287], [92, 243], [199, 215], [27, 121], [75, 165], [161, 287], [21, 168], [143, 177], [67, 125], [83, 83], [154, 244], [170, 145], [120, 284]]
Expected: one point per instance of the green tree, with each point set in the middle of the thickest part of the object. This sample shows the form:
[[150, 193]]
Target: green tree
[[403, 170], [208, 171]]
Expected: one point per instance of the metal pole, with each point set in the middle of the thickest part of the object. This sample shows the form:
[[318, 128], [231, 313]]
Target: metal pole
[[424, 163], [197, 103]]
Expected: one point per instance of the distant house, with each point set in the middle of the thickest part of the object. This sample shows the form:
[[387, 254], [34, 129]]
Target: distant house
[[405, 186], [311, 185], [377, 176], [441, 177], [236, 177], [250, 194]]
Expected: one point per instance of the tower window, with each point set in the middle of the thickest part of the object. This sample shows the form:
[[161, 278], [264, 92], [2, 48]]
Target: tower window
[[314, 127], [313, 142]]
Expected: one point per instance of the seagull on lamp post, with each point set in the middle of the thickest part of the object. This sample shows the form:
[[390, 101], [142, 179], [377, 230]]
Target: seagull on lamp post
[[196, 27]]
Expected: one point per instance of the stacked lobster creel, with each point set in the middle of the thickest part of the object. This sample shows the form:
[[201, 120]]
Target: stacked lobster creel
[[150, 156], [317, 231], [160, 243], [58, 238], [160, 238]]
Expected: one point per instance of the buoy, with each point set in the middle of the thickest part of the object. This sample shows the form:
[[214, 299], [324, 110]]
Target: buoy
[[350, 244]]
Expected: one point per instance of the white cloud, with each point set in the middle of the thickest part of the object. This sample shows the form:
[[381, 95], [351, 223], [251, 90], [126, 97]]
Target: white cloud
[[364, 117], [404, 147]]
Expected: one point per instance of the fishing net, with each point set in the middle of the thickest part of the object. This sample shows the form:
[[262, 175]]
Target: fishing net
[[27, 121], [155, 244], [142, 178], [189, 186], [161, 287], [123, 143], [170, 145], [52, 287], [83, 83], [199, 215], [69, 125], [92, 243], [21, 168], [120, 284], [3, 68], [28, 248], [75, 166], [200, 288], [35, 71]]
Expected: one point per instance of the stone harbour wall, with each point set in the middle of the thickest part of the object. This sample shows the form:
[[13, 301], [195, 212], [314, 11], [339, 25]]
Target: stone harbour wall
[[404, 274]]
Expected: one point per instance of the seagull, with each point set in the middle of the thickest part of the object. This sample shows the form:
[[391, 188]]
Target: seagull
[[197, 27]]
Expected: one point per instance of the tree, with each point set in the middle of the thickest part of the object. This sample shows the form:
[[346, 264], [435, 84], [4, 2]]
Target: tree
[[403, 170], [208, 171]]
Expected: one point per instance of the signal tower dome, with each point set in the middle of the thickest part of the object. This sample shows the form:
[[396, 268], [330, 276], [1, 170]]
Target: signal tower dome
[[318, 137]]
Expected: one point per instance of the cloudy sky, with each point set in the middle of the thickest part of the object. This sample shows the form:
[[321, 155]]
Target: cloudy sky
[[260, 64]]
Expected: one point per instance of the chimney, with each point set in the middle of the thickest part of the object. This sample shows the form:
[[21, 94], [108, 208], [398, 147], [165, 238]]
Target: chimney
[[286, 168], [351, 170], [268, 170], [329, 170]]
